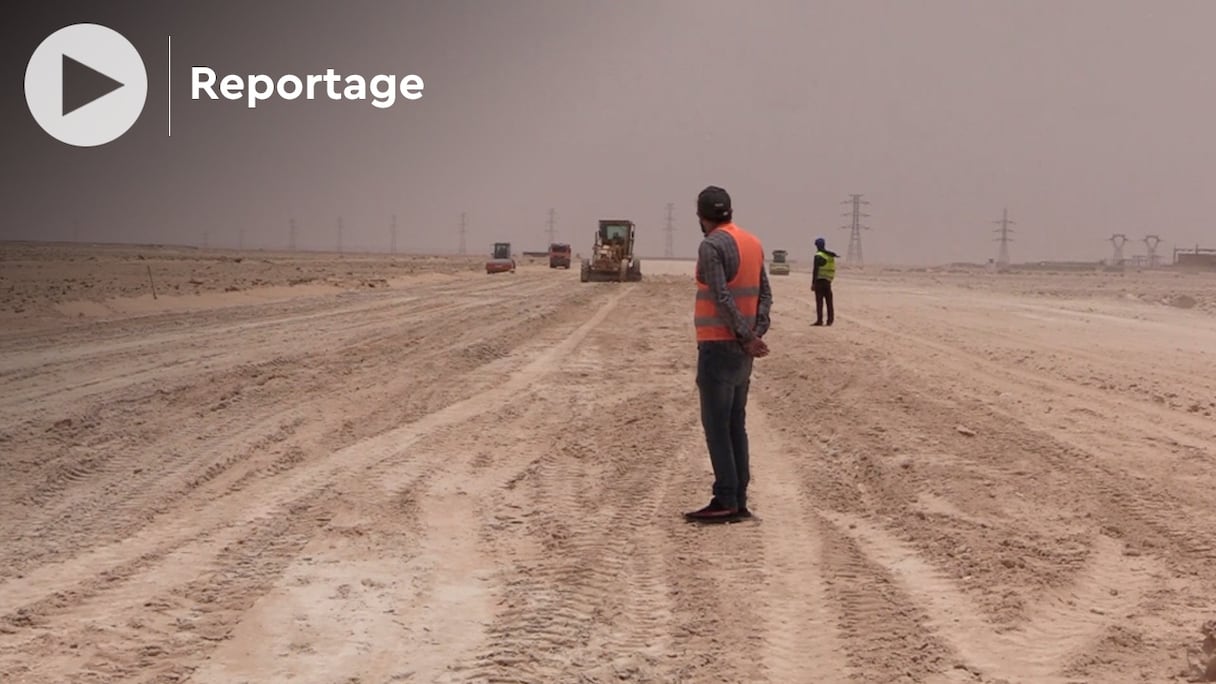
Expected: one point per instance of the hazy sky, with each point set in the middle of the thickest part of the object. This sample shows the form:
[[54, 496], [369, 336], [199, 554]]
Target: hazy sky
[[1083, 117]]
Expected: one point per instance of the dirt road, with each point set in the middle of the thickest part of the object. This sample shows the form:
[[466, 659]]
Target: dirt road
[[479, 478]]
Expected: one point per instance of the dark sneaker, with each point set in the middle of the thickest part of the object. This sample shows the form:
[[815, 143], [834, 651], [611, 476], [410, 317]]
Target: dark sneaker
[[714, 512], [744, 513], [817, 323]]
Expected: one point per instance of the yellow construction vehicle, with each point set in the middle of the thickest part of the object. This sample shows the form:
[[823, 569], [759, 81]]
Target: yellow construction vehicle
[[612, 257]]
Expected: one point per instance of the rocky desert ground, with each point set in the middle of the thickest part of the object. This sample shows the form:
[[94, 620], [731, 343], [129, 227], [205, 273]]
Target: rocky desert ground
[[344, 468]]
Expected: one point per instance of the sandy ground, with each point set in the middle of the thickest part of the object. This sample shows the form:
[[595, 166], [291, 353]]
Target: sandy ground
[[455, 477]]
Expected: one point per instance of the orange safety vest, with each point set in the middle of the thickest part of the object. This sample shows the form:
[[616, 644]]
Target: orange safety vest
[[745, 287]]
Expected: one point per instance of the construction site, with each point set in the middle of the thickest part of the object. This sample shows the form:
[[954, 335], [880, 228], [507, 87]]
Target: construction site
[[283, 463], [376, 388]]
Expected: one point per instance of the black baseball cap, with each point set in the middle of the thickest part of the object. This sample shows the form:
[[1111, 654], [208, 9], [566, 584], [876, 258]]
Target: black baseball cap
[[714, 204]]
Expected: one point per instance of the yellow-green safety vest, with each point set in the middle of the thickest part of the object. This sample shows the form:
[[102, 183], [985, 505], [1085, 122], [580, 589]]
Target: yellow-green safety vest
[[828, 270]]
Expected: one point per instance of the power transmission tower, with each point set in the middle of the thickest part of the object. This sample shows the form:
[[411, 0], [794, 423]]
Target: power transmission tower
[[854, 253], [76, 231], [240, 239], [552, 229], [206, 239], [1118, 240], [339, 235], [670, 250], [1002, 256], [392, 248], [291, 234], [1150, 243], [464, 226]]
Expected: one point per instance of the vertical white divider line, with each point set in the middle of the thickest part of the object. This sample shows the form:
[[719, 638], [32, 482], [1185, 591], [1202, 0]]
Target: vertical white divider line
[[170, 95]]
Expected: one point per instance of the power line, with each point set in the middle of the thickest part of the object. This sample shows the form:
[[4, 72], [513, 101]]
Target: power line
[[669, 251], [854, 254], [552, 229], [1002, 257], [464, 226]]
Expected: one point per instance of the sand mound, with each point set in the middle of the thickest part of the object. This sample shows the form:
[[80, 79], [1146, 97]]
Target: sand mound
[[1182, 301]]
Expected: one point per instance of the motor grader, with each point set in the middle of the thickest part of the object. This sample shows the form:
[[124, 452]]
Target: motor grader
[[612, 257]]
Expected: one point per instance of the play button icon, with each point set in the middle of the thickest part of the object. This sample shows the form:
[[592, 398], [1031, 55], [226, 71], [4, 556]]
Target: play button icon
[[82, 85], [86, 85]]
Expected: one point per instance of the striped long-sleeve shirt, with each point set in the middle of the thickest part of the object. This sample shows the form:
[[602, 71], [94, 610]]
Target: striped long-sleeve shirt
[[717, 264]]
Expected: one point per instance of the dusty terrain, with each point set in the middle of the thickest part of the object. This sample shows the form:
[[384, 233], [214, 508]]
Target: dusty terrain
[[403, 470]]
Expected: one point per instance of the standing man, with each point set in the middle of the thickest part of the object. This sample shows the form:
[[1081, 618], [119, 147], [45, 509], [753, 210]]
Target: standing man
[[731, 316], [821, 281]]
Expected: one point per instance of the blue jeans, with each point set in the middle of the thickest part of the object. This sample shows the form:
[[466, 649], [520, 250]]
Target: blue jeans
[[724, 373]]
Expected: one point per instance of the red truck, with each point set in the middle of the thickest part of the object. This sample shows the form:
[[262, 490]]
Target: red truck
[[559, 255]]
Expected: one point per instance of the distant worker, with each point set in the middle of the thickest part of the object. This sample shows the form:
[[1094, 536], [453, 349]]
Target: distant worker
[[731, 316], [823, 274]]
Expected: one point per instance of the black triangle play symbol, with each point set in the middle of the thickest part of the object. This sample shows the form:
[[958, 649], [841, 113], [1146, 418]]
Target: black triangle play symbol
[[82, 85]]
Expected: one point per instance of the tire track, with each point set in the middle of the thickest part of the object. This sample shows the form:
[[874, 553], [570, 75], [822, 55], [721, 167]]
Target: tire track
[[369, 452], [1057, 629], [801, 636], [114, 336], [850, 620], [562, 605], [1086, 363], [141, 621], [292, 486], [557, 553], [1202, 431], [1124, 498], [448, 603], [956, 354], [426, 582], [570, 606], [883, 629], [712, 573], [201, 327], [76, 379], [268, 443], [1012, 508], [334, 600]]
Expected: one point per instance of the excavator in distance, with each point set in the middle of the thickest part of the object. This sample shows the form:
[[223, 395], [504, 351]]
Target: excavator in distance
[[612, 257]]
